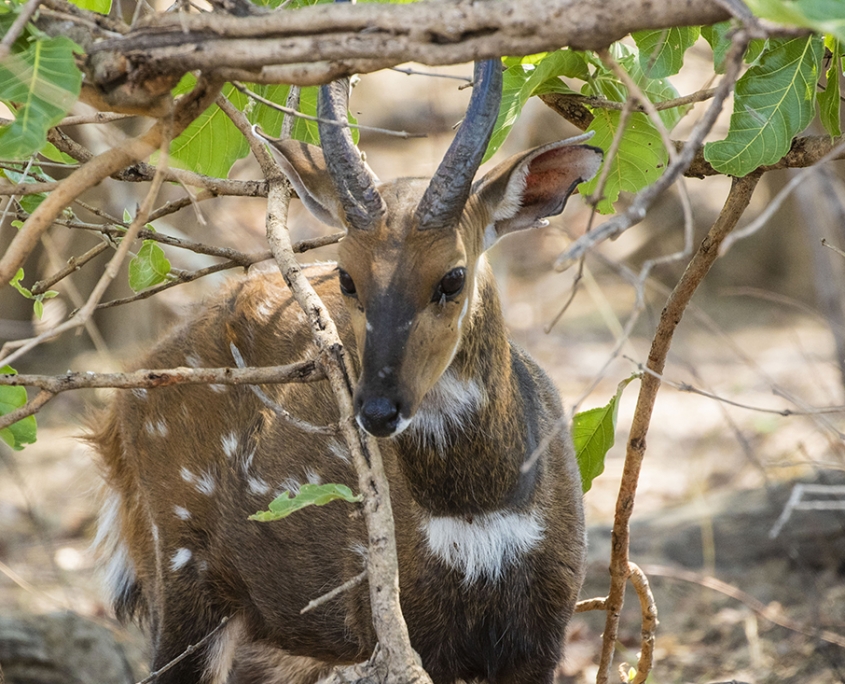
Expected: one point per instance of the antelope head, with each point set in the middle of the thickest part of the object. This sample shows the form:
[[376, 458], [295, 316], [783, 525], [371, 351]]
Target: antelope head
[[410, 263]]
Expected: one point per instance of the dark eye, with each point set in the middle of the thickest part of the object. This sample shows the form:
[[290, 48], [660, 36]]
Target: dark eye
[[451, 285], [347, 285]]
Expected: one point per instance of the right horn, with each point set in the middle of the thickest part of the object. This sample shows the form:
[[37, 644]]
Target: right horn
[[446, 195], [356, 187]]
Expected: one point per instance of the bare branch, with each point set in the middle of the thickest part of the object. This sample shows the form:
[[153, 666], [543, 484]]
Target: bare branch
[[737, 201], [328, 596], [51, 385], [362, 38], [649, 613]]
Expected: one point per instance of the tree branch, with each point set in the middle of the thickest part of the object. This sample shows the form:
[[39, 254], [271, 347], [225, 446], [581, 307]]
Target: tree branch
[[364, 38], [735, 205]]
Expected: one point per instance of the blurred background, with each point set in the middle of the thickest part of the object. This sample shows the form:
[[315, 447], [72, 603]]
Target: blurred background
[[765, 330]]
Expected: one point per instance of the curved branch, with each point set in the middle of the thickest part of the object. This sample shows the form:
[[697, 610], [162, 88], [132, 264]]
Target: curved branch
[[97, 169]]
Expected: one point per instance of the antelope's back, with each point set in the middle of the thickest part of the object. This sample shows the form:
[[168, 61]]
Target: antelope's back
[[185, 465]]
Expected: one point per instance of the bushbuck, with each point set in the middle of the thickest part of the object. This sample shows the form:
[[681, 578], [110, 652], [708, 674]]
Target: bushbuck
[[491, 558]]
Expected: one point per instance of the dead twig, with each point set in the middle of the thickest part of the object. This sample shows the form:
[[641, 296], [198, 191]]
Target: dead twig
[[771, 613], [328, 596]]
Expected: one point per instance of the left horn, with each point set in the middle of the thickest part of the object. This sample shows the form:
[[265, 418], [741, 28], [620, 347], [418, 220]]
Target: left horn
[[356, 187], [446, 195]]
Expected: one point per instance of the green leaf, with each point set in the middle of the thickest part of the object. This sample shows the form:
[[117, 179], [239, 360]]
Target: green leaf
[[149, 267], [44, 82], [99, 6], [24, 431], [773, 102], [662, 51], [52, 153], [305, 130], [639, 162], [308, 495], [533, 75], [605, 83], [829, 102], [212, 143], [822, 16], [15, 282], [593, 433]]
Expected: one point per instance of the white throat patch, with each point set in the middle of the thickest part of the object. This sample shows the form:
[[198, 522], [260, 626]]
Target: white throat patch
[[447, 408], [487, 546]]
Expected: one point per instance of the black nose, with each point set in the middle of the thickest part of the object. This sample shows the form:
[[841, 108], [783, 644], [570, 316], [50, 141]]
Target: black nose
[[379, 416]]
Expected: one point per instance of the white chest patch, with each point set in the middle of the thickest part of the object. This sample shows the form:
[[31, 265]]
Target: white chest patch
[[447, 408], [485, 547]]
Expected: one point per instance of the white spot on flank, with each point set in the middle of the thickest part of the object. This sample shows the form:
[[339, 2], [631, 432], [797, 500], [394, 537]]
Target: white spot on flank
[[447, 408], [485, 547], [204, 484], [289, 485], [180, 558], [230, 444], [312, 476], [337, 450], [257, 485], [157, 429], [140, 393], [182, 513], [193, 361], [218, 388]]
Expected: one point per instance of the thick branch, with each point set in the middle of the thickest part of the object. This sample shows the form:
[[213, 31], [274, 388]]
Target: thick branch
[[362, 38]]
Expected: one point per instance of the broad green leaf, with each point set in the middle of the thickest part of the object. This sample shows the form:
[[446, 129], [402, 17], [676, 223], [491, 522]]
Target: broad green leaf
[[593, 433], [773, 102], [24, 431], [605, 83], [52, 153], [718, 36], [99, 6], [829, 102], [149, 267], [822, 16], [211, 144], [531, 76], [269, 119], [662, 51], [43, 83], [308, 495], [639, 162]]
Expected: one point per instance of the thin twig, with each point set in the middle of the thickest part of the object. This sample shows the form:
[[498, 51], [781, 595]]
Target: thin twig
[[328, 596], [188, 651], [599, 603], [17, 27], [686, 387], [771, 612], [342, 124], [73, 265], [111, 270], [431, 74], [774, 204]]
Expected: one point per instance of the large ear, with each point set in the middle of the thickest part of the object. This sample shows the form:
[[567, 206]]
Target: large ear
[[522, 191], [305, 167]]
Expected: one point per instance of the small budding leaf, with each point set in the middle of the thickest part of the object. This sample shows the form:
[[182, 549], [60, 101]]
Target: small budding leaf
[[593, 433], [19, 434], [309, 495], [149, 267]]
